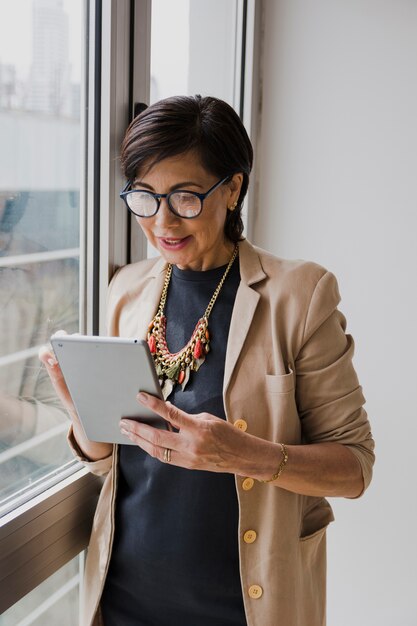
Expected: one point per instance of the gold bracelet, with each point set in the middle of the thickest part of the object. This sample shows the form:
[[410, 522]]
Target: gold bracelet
[[280, 467]]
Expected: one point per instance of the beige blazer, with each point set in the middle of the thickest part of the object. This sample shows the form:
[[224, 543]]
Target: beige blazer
[[289, 375]]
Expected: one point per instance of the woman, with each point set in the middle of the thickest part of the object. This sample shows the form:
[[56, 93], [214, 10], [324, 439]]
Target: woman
[[220, 521]]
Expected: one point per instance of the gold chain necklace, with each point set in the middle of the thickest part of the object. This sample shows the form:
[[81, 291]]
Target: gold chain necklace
[[175, 368]]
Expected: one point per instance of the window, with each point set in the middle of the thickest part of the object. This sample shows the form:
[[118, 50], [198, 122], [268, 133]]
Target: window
[[206, 48], [203, 41], [61, 128], [70, 73]]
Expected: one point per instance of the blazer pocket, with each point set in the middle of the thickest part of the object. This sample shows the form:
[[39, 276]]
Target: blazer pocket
[[313, 555], [316, 534], [313, 545], [282, 383], [316, 519]]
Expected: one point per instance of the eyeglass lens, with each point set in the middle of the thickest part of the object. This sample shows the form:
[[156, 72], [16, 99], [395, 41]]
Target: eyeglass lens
[[144, 204], [185, 204]]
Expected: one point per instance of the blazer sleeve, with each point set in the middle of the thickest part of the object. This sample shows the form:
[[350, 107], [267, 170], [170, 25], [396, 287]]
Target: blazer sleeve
[[329, 397], [100, 467]]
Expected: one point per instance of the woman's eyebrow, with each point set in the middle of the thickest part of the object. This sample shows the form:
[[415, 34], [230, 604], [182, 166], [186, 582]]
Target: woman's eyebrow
[[182, 185]]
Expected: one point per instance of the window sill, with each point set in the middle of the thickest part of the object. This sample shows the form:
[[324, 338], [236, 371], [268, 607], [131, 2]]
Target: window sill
[[39, 537]]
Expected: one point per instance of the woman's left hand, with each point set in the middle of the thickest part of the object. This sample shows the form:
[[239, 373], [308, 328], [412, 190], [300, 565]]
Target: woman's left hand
[[204, 442]]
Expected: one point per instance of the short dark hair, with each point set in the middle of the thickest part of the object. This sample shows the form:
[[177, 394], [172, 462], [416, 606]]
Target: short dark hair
[[208, 126]]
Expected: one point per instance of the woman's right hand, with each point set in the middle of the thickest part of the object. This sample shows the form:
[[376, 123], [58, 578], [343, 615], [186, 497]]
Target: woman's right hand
[[47, 357], [92, 450]]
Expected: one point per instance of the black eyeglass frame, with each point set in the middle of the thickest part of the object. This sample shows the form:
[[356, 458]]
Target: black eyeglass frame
[[158, 197]]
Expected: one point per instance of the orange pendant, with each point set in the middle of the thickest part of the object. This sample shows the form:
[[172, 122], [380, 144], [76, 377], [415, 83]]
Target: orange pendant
[[198, 349], [152, 344]]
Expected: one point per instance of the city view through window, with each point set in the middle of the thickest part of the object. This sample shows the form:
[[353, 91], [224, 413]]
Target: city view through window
[[40, 73], [41, 52]]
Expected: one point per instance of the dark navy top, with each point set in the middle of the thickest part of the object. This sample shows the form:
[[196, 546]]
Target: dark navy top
[[175, 558]]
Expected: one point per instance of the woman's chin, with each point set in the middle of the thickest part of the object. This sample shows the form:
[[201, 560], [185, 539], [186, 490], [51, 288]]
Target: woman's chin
[[177, 254]]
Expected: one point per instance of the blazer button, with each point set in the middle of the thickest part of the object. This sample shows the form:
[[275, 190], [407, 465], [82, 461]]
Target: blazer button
[[248, 484], [241, 425], [255, 592], [249, 536]]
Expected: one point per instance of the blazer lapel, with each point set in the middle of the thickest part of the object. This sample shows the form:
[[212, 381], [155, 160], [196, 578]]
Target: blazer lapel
[[247, 298], [148, 303]]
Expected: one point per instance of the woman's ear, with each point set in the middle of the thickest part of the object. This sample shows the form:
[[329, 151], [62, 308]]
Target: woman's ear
[[235, 185]]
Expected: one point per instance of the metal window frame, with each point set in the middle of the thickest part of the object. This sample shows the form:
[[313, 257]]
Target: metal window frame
[[44, 534], [248, 83], [252, 100], [140, 92]]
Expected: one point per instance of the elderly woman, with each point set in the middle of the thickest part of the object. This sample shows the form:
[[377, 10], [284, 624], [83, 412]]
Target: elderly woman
[[220, 520]]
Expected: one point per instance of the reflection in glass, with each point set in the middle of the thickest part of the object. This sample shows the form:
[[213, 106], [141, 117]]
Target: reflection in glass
[[40, 68], [39, 298]]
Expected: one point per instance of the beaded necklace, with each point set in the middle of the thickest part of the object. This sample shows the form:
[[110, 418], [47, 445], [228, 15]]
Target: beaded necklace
[[175, 368]]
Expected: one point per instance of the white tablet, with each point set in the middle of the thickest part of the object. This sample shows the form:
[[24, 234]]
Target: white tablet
[[103, 376]]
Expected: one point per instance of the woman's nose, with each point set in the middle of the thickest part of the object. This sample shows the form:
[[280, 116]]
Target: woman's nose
[[164, 216]]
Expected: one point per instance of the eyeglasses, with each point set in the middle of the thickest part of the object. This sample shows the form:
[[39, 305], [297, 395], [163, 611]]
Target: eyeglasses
[[183, 203]]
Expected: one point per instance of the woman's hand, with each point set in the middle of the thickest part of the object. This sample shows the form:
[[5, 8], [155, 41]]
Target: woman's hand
[[47, 357], [204, 442], [91, 449]]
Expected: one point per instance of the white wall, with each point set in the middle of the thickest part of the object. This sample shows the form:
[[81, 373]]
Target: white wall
[[337, 184]]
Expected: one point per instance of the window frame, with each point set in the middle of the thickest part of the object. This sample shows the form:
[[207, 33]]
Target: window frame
[[43, 534], [251, 98]]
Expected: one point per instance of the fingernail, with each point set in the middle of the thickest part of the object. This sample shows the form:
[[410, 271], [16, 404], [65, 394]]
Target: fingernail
[[52, 361], [143, 397], [45, 351]]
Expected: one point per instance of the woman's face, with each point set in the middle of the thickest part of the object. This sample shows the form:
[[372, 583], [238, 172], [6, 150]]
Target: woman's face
[[198, 243]]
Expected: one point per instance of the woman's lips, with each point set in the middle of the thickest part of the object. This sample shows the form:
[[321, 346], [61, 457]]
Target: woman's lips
[[171, 243]]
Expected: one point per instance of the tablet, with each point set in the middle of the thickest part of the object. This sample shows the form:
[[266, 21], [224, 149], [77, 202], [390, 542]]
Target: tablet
[[103, 376]]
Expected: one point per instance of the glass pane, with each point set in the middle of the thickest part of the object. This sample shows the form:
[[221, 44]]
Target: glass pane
[[41, 44], [55, 601], [202, 48]]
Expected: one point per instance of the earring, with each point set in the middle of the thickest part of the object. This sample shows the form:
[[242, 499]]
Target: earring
[[232, 208]]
